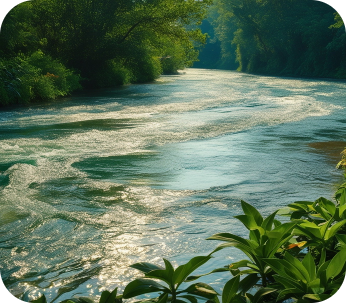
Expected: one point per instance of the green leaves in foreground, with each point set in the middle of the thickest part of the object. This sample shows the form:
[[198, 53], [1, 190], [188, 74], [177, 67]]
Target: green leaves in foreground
[[306, 281], [266, 237], [106, 297], [172, 278]]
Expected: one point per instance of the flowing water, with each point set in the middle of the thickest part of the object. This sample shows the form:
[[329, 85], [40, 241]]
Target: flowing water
[[96, 182]]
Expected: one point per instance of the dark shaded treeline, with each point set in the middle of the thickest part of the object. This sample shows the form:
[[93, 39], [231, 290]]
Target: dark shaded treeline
[[48, 48], [280, 37]]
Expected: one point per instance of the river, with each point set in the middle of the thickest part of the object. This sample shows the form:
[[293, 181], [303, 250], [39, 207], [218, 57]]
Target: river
[[95, 182]]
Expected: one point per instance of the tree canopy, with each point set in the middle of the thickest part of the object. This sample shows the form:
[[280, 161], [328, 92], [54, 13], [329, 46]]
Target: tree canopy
[[107, 41], [287, 37]]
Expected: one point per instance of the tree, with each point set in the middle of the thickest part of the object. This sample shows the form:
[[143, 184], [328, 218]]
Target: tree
[[287, 37], [109, 42]]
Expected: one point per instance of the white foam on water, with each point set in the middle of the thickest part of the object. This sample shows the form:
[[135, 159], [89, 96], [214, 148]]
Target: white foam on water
[[85, 217]]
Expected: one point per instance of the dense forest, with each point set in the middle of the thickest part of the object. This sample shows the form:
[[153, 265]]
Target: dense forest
[[290, 37], [49, 48]]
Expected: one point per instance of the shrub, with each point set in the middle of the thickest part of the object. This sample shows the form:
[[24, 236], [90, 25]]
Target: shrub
[[111, 74], [36, 77]]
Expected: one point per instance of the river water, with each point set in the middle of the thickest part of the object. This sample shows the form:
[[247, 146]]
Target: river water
[[93, 183]]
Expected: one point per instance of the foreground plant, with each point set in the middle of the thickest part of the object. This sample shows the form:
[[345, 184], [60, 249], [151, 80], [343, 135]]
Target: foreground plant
[[304, 280], [106, 297], [173, 279], [266, 239]]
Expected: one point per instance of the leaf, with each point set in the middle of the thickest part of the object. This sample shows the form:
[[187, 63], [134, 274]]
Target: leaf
[[336, 265], [340, 195], [145, 267], [309, 263], [201, 290], [230, 290], [85, 300], [108, 297], [261, 293], [165, 275], [256, 234], [328, 205], [289, 292], [41, 299], [341, 239], [268, 222], [183, 271], [192, 278], [244, 245], [142, 286], [342, 211], [316, 297], [163, 298], [248, 282], [78, 300], [309, 229], [324, 229], [192, 299], [279, 236], [337, 283], [322, 258], [323, 213], [297, 268], [289, 283], [241, 263], [315, 286], [280, 266], [305, 206], [333, 230], [248, 221], [251, 211], [227, 237]]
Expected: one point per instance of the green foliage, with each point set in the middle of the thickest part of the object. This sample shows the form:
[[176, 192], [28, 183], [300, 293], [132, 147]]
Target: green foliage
[[106, 297], [36, 77], [285, 37], [172, 279], [9, 82], [304, 280], [266, 237], [109, 42], [110, 74], [342, 163]]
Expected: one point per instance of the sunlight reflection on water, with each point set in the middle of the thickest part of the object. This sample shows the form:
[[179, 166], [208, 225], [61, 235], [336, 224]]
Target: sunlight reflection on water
[[96, 182]]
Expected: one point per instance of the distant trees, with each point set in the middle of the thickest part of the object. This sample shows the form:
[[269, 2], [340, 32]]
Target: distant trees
[[108, 42], [287, 37]]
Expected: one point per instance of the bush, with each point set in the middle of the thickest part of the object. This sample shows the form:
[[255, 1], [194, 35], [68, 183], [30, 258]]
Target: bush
[[36, 77], [10, 84], [145, 68], [111, 74]]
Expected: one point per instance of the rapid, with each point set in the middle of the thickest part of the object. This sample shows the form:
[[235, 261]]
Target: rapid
[[93, 183]]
